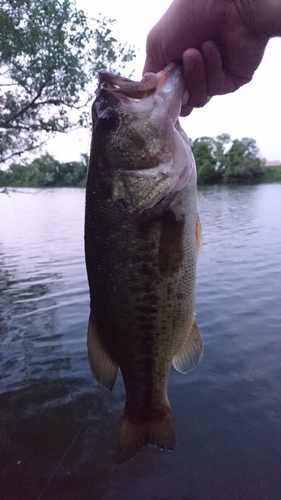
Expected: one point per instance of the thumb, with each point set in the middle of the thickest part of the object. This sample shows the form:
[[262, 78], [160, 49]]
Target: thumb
[[154, 56]]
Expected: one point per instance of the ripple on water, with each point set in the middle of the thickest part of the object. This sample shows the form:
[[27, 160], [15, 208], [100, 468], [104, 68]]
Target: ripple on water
[[227, 411]]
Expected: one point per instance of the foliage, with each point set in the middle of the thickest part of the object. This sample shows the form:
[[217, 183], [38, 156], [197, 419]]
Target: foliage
[[218, 160], [224, 160], [242, 163], [205, 161], [46, 172], [272, 174], [50, 53]]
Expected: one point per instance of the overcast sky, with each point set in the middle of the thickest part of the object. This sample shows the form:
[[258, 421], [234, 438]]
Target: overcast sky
[[253, 111]]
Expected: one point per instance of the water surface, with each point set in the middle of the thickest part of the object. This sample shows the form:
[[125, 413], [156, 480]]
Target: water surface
[[59, 429]]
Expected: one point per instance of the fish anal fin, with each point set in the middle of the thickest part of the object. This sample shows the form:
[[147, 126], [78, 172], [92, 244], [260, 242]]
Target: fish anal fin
[[191, 351], [102, 365], [198, 236], [158, 430]]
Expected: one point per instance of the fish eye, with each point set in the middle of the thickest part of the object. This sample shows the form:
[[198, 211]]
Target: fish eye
[[109, 120]]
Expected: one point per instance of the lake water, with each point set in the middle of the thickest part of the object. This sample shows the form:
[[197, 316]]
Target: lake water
[[59, 428]]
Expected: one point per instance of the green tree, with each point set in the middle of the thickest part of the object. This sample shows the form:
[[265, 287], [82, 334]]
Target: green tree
[[242, 163], [220, 159], [50, 53], [221, 145], [271, 174], [46, 171], [203, 150]]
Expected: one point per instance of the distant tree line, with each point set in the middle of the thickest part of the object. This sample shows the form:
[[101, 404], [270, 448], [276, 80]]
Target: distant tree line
[[46, 171], [223, 160], [218, 160]]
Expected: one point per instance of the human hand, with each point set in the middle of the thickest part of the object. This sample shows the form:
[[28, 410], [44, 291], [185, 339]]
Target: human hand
[[220, 44]]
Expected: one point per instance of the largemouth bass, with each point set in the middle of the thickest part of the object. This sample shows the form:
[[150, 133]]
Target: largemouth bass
[[142, 235]]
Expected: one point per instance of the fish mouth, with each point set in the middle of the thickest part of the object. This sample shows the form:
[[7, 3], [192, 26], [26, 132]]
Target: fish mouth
[[149, 84]]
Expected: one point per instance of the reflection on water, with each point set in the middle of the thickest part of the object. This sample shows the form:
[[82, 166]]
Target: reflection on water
[[58, 428], [44, 296]]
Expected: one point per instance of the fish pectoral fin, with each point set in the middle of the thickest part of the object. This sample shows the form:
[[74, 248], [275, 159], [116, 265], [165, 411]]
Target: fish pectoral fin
[[102, 365], [198, 236], [191, 352], [171, 251]]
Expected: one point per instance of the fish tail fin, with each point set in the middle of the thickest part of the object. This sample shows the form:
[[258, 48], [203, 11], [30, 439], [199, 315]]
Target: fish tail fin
[[157, 429]]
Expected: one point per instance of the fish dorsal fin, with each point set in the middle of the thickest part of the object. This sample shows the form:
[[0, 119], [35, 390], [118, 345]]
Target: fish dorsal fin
[[102, 365], [198, 236], [191, 352]]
